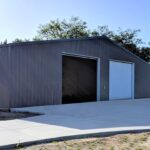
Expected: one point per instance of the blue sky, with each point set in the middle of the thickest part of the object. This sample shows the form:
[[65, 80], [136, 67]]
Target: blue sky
[[21, 18]]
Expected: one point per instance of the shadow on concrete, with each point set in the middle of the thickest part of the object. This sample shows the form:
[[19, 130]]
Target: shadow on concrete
[[94, 115]]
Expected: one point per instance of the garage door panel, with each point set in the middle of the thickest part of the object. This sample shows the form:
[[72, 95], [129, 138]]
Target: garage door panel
[[120, 80]]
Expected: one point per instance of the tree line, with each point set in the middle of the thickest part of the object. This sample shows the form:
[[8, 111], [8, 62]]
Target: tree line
[[77, 28]]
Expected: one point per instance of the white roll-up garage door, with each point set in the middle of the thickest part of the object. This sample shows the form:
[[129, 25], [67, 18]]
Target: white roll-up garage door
[[121, 77]]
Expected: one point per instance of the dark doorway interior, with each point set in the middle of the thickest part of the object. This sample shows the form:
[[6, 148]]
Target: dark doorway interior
[[78, 79]]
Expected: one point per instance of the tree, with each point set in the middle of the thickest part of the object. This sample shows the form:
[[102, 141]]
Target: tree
[[3, 42], [103, 30], [128, 37], [56, 29], [145, 53], [17, 40], [77, 28]]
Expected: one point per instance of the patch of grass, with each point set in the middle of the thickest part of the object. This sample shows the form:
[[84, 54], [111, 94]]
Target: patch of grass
[[112, 148], [117, 142], [124, 139], [143, 138], [131, 144], [139, 148]]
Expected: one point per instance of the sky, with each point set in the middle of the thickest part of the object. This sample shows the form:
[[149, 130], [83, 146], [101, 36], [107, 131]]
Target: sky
[[21, 18]]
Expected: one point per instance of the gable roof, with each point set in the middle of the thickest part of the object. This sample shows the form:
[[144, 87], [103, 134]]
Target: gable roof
[[126, 50], [75, 39]]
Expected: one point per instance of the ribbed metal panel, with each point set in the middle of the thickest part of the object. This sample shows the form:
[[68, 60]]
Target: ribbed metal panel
[[31, 73], [35, 75], [4, 77]]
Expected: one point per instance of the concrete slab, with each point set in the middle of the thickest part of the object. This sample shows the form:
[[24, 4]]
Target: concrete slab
[[76, 119]]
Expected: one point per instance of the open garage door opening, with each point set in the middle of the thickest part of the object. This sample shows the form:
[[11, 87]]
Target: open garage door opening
[[79, 80]]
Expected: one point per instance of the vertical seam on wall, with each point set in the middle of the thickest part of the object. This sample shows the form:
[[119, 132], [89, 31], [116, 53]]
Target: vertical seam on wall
[[98, 79], [10, 73], [133, 80]]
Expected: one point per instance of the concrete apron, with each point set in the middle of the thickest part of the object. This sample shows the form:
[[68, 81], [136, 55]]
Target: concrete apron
[[86, 135], [70, 121]]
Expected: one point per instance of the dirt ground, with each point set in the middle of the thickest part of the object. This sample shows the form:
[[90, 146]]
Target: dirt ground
[[140, 141], [6, 115]]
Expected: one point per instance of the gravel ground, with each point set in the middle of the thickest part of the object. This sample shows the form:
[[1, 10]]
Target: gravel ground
[[6, 115]]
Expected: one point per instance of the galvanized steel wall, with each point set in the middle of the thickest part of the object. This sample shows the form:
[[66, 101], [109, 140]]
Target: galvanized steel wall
[[31, 73]]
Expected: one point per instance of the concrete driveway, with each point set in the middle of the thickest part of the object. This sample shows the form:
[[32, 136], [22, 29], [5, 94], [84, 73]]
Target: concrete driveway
[[76, 119]]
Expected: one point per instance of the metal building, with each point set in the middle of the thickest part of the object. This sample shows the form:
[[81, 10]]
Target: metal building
[[70, 71]]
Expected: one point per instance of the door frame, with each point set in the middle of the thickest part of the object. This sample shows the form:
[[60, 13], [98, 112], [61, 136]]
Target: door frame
[[98, 90], [132, 76]]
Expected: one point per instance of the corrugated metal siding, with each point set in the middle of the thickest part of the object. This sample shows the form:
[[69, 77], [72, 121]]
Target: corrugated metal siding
[[4, 77], [35, 75], [31, 73]]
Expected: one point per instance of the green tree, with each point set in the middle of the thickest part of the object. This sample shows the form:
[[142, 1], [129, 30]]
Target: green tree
[[77, 28], [102, 30], [17, 40], [145, 53], [56, 29], [3, 42], [127, 38]]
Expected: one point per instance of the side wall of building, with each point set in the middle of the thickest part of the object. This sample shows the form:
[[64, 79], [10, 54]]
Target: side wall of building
[[31, 73]]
